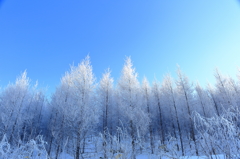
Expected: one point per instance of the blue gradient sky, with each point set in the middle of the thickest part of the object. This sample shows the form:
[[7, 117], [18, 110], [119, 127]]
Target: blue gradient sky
[[45, 37]]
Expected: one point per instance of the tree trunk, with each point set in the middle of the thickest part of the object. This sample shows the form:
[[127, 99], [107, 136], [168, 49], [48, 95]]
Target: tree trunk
[[178, 123], [78, 147], [133, 140], [161, 122], [191, 122]]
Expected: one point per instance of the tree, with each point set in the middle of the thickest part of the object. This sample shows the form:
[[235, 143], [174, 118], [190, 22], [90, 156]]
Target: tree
[[105, 99], [21, 107], [158, 105], [130, 106], [105, 95], [232, 91], [75, 97], [185, 91], [169, 91], [205, 106], [223, 93], [146, 93], [219, 134], [212, 96], [61, 101]]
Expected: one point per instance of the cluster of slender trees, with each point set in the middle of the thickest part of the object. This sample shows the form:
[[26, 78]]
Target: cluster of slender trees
[[81, 107]]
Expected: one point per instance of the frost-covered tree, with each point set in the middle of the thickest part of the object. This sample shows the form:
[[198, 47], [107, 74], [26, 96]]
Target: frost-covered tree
[[185, 91], [74, 99], [205, 106], [130, 105], [232, 90], [201, 98], [147, 103], [219, 134], [105, 96], [61, 100], [159, 109], [21, 110], [223, 93], [212, 95], [170, 96]]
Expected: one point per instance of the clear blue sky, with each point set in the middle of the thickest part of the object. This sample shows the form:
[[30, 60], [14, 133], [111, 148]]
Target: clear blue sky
[[46, 36]]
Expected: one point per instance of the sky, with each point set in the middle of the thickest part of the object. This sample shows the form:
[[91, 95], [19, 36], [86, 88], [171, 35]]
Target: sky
[[46, 37]]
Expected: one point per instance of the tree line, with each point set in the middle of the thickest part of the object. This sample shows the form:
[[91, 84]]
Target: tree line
[[146, 115]]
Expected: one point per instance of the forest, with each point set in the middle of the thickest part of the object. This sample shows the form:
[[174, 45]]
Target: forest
[[126, 118]]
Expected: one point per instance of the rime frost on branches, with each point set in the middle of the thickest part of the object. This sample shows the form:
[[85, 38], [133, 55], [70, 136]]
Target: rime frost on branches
[[33, 149], [219, 134], [153, 118]]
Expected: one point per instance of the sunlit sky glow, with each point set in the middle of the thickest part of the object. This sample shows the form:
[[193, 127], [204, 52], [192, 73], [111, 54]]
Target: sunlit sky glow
[[45, 37]]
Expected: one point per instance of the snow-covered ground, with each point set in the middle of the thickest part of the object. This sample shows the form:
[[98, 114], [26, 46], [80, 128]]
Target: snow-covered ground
[[66, 156], [185, 157], [35, 149]]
